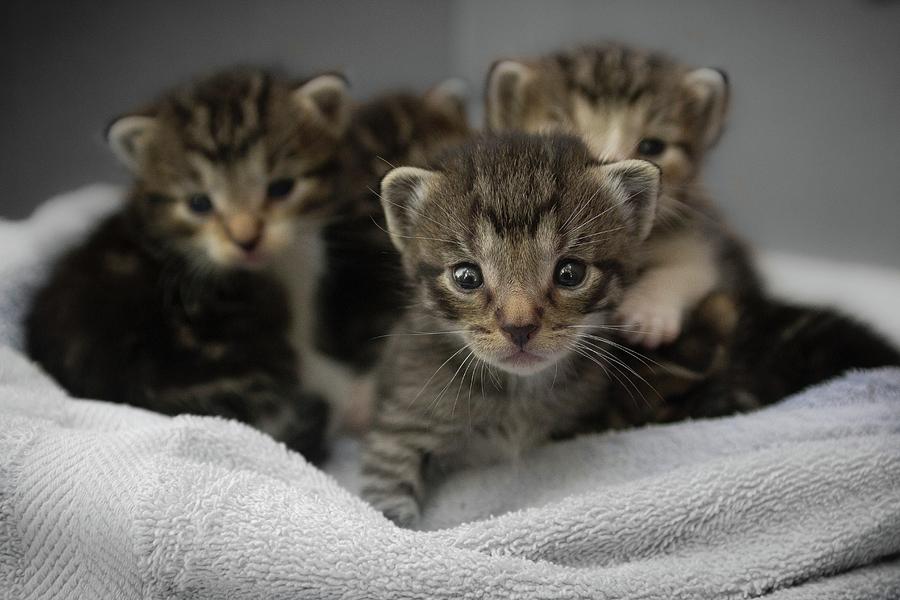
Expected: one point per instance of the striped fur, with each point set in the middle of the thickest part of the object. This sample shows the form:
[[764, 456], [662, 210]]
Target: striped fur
[[453, 386], [614, 96], [361, 288], [624, 101], [165, 308], [229, 137]]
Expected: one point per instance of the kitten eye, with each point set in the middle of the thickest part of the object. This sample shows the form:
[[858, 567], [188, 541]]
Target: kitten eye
[[570, 273], [280, 188], [651, 147], [467, 276], [200, 203]]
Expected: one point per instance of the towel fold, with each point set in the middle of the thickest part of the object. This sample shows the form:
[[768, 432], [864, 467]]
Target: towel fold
[[798, 501]]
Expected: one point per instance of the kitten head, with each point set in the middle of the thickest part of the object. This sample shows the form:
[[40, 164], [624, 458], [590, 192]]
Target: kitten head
[[409, 129], [225, 166], [517, 242], [625, 103]]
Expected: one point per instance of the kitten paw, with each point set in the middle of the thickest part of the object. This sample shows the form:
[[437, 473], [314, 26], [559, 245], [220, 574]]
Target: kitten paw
[[648, 321], [402, 510]]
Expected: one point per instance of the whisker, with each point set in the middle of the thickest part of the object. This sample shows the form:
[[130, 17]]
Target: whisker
[[638, 355], [415, 333], [435, 373], [414, 237], [588, 351], [625, 366], [385, 161], [463, 380], [609, 327], [437, 399]]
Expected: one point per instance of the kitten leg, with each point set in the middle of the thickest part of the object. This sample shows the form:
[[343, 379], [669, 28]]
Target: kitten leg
[[392, 467], [683, 271]]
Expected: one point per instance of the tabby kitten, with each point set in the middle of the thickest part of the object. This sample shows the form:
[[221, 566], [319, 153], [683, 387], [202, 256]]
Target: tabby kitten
[[741, 349], [167, 305], [516, 246], [740, 356], [628, 103], [357, 299]]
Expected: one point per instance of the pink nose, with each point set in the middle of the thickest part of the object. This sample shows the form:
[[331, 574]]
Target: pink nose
[[245, 230]]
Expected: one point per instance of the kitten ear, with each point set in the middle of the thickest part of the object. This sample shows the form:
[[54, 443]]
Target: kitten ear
[[508, 85], [403, 191], [450, 97], [710, 92], [637, 183], [327, 98], [129, 137]]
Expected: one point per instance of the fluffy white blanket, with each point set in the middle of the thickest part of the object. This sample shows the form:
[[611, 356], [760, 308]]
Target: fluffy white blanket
[[800, 500]]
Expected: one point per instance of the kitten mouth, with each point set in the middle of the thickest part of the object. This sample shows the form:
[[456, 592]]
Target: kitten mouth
[[523, 358], [252, 260]]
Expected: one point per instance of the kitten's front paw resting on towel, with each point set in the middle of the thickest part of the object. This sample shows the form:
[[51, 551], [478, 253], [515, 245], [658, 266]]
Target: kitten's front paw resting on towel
[[402, 509]]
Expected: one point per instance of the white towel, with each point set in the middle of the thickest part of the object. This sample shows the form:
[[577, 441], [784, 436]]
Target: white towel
[[797, 501], [106, 501]]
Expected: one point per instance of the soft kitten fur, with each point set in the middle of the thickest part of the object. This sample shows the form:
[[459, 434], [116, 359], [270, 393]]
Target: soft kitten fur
[[740, 356], [629, 103], [166, 305], [359, 296], [616, 97], [473, 373]]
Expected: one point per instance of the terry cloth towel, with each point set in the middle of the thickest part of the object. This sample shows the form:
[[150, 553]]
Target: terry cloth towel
[[801, 500], [798, 501]]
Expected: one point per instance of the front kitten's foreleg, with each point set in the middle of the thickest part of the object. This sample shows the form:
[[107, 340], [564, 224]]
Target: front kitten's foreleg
[[392, 467], [682, 271]]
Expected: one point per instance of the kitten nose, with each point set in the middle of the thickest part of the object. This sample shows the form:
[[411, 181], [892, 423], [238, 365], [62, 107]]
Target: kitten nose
[[519, 334], [251, 244], [245, 231]]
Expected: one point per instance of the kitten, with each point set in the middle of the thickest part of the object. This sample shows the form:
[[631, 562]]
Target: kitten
[[357, 299], [627, 103], [740, 349], [516, 246], [740, 356], [167, 305]]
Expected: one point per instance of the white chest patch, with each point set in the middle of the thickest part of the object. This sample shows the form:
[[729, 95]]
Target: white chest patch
[[300, 269]]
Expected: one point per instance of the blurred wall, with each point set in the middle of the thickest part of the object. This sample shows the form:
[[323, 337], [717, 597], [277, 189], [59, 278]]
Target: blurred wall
[[808, 163], [811, 157], [70, 67]]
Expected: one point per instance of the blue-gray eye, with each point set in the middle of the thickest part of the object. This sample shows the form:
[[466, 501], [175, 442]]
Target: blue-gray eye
[[200, 204], [279, 189], [467, 276], [569, 272], [651, 147]]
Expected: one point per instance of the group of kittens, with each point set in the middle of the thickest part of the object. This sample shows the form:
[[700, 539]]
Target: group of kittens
[[302, 263]]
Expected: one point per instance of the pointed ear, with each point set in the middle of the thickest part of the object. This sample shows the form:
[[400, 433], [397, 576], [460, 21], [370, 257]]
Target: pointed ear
[[450, 97], [326, 97], [129, 137], [403, 192], [508, 85], [710, 93], [636, 184]]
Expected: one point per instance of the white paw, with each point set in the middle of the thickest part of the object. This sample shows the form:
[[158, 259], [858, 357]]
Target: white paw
[[649, 321]]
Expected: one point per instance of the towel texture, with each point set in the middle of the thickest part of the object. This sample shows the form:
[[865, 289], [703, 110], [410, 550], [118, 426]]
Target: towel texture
[[797, 501]]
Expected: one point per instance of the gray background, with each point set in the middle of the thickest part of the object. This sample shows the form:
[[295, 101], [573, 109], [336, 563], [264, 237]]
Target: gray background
[[809, 163]]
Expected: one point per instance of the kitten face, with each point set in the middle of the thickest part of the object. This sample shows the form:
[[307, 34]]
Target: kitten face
[[623, 102], [517, 241], [226, 166]]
